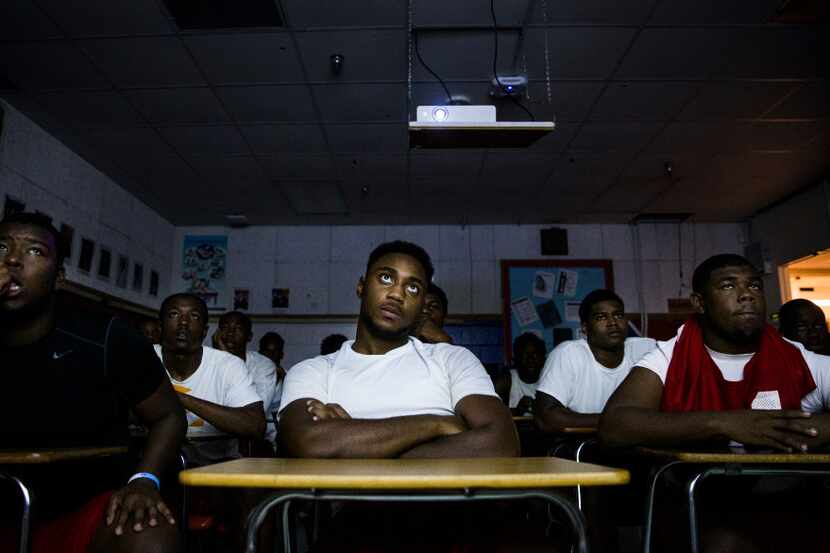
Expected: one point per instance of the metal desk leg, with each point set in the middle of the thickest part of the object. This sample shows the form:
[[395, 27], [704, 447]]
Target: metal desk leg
[[26, 514], [649, 518], [578, 457], [258, 514]]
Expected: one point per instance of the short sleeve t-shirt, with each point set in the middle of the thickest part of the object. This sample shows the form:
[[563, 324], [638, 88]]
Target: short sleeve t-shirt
[[413, 379], [574, 377], [519, 389], [223, 379], [732, 368], [263, 375], [73, 388]]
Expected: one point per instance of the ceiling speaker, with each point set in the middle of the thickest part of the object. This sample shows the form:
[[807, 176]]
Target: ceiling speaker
[[554, 241]]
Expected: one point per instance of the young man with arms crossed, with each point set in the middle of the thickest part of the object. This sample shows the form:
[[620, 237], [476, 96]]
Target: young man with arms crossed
[[387, 394], [729, 377], [69, 382]]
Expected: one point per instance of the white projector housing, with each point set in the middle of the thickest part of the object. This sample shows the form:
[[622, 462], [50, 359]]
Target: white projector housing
[[456, 114]]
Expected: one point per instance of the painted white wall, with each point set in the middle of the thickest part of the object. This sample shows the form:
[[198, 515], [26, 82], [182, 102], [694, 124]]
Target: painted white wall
[[39, 170], [796, 228]]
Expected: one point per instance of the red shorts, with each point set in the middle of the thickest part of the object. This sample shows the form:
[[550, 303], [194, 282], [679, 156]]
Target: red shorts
[[69, 533]]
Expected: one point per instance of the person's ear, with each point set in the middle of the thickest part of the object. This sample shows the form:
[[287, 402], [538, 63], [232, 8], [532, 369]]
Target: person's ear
[[697, 303], [361, 284], [584, 327]]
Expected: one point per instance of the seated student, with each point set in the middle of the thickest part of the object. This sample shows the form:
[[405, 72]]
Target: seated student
[[727, 376], [430, 325], [150, 329], [214, 386], [387, 394], [69, 382], [518, 388], [272, 346], [580, 375], [803, 321], [331, 343]]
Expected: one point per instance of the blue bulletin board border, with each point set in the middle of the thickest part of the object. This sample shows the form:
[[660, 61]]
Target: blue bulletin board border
[[544, 292]]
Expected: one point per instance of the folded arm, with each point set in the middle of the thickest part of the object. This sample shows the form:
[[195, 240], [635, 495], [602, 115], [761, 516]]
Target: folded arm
[[247, 421], [632, 416], [491, 432], [551, 416], [310, 429]]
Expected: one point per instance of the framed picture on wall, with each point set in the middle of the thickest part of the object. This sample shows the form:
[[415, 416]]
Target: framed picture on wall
[[154, 283], [138, 277], [87, 252], [542, 296], [122, 271], [104, 264]]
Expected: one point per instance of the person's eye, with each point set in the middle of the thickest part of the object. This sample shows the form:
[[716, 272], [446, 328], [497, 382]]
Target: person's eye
[[36, 250], [414, 289], [385, 278], [619, 316], [3, 248], [727, 286], [599, 317], [755, 285]]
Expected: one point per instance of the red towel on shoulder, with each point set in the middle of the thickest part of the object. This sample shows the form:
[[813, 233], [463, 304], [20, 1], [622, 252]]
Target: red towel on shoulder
[[694, 382]]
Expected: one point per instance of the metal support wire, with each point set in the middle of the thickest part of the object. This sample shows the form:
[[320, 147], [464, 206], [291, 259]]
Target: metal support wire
[[26, 512]]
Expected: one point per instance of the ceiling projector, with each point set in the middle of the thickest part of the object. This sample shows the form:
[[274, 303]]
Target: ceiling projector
[[456, 114]]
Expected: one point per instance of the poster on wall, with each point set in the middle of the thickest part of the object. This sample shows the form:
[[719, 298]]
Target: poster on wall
[[543, 296], [241, 299], [204, 265], [279, 298]]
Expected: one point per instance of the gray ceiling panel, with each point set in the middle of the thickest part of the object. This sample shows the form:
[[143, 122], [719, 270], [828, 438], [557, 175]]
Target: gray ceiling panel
[[257, 104], [368, 138], [633, 101], [23, 20], [240, 58], [437, 13], [107, 18], [298, 166], [464, 163], [601, 136], [48, 65], [734, 100], [230, 171], [215, 140], [676, 53], [714, 12], [314, 197], [94, 108], [360, 50], [575, 53], [144, 62], [178, 105], [808, 101], [362, 102], [272, 139], [776, 52], [302, 14], [363, 166]]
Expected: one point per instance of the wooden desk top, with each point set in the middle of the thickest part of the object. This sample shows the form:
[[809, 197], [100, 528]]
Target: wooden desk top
[[734, 455], [43, 456], [579, 430], [403, 474], [523, 418]]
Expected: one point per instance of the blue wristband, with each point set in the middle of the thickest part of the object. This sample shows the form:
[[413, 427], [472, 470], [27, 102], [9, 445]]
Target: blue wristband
[[148, 475]]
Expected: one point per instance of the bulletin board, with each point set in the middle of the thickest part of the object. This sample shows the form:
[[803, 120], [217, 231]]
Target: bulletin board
[[542, 296]]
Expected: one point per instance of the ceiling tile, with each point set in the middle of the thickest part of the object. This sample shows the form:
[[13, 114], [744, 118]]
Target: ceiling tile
[[598, 12], [362, 102], [630, 194], [139, 147], [555, 141], [146, 61], [298, 166], [302, 14], [601, 136], [574, 53], [809, 101], [734, 100], [773, 52], [230, 171], [446, 163], [238, 58], [23, 20], [49, 65], [654, 166], [676, 53], [361, 52], [271, 139], [642, 101], [314, 197], [714, 12], [511, 166], [368, 138], [107, 18], [256, 104], [438, 13], [371, 165], [384, 195], [94, 108], [168, 106], [700, 137], [471, 59], [214, 140]]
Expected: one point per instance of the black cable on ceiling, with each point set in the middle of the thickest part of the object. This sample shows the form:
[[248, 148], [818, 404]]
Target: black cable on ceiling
[[495, 60], [429, 69]]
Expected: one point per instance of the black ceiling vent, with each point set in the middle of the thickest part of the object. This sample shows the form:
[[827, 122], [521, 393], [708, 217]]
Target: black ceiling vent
[[222, 14]]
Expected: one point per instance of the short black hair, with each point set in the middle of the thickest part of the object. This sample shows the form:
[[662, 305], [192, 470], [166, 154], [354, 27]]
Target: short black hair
[[245, 319], [184, 295], [406, 248], [704, 271], [442, 296], [43, 222], [594, 297], [331, 343], [522, 340], [272, 336], [786, 315]]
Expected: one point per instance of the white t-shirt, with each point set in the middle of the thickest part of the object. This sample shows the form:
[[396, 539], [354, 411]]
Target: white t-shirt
[[519, 389], [413, 379], [222, 379], [263, 373], [578, 381], [732, 368]]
